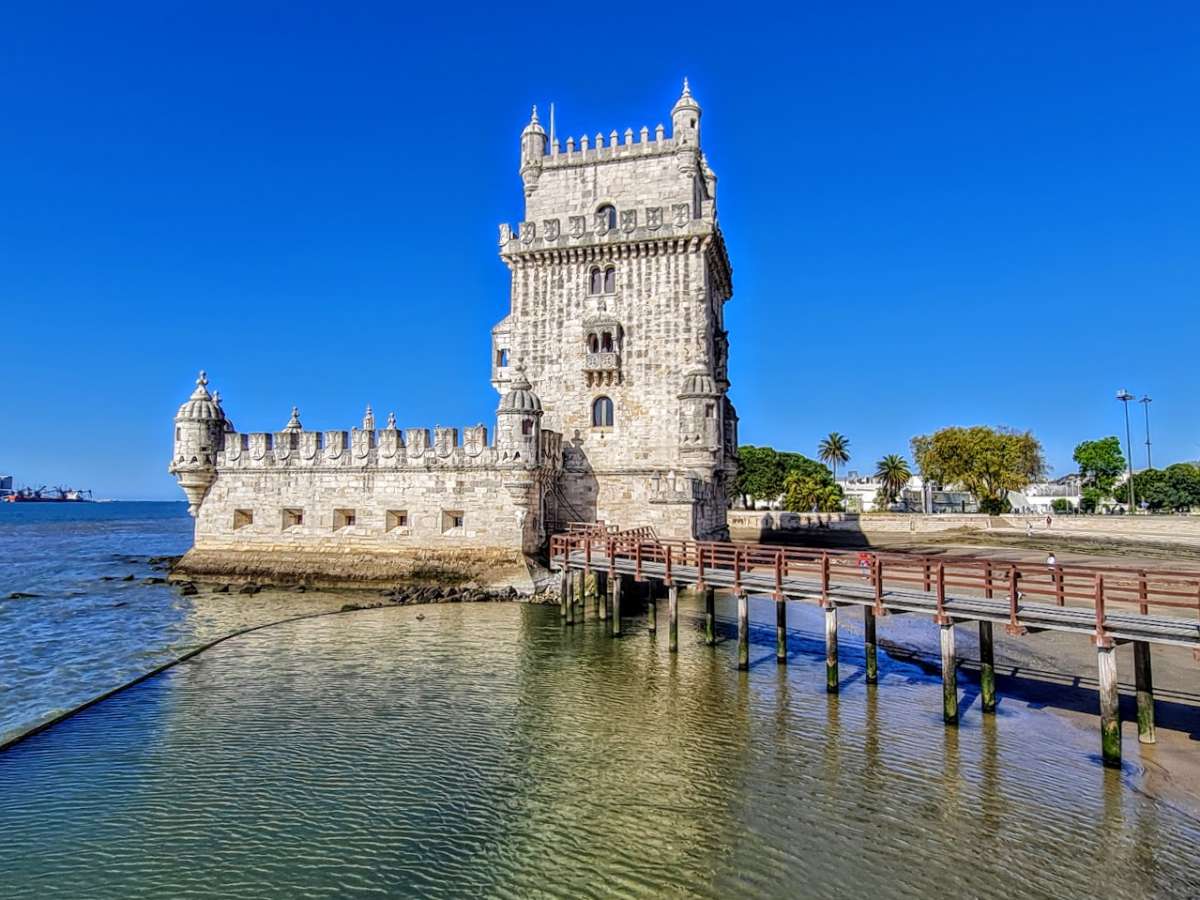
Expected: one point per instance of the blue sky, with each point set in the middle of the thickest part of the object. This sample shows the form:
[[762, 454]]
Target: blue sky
[[936, 215]]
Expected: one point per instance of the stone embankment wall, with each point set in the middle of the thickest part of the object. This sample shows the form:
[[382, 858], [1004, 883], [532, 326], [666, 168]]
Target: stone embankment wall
[[762, 524]]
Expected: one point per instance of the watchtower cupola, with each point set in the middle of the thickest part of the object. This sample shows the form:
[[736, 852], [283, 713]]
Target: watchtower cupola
[[685, 119], [199, 435], [533, 149]]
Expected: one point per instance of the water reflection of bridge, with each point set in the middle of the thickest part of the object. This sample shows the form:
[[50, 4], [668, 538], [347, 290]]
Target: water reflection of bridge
[[1110, 606]]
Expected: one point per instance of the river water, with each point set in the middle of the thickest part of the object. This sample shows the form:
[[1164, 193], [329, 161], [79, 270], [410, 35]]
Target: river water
[[487, 750]]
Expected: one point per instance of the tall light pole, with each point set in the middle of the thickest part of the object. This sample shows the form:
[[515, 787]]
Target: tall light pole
[[1146, 401], [1124, 396]]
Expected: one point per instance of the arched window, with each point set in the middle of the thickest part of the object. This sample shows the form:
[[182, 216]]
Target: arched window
[[527, 426], [602, 412], [606, 343], [593, 344], [608, 214], [610, 280], [597, 281]]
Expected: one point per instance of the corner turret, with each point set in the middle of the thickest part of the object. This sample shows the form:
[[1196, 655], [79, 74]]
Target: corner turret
[[199, 435], [519, 421], [685, 119], [533, 149]]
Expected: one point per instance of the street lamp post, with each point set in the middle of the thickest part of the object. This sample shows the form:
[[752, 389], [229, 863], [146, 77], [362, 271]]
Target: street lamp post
[[1124, 396], [1146, 401]]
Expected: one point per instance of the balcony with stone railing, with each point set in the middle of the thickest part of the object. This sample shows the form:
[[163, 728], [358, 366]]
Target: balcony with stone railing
[[602, 368]]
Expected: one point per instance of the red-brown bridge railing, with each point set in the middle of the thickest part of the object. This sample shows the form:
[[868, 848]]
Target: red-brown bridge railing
[[736, 565]]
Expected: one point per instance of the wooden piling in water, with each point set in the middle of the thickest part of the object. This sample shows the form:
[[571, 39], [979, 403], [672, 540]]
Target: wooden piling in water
[[869, 645], [743, 616], [673, 618], [780, 631], [949, 675], [710, 616], [564, 591], [987, 668], [1110, 707], [651, 607], [1144, 683], [602, 595], [616, 604], [592, 591], [831, 649], [570, 597]]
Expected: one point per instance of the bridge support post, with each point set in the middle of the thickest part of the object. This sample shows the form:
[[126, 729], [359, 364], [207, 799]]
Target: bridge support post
[[949, 675], [781, 631], [1144, 683], [602, 595], [592, 592], [710, 616], [564, 591], [869, 645], [987, 668], [743, 616], [831, 649], [651, 607], [673, 618], [617, 581], [570, 597], [1110, 706]]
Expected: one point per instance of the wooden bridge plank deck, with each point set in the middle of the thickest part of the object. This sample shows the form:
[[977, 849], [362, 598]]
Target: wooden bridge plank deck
[[1120, 624]]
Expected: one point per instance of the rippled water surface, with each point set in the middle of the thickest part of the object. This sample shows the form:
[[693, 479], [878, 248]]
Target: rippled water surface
[[487, 750]]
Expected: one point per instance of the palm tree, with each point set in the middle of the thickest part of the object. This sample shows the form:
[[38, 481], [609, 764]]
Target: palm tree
[[894, 472], [833, 450]]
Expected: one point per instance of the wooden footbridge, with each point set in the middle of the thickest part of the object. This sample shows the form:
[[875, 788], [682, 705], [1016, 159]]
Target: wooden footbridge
[[1110, 606]]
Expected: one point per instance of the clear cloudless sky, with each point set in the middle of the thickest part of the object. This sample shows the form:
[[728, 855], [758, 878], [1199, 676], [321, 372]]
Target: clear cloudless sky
[[937, 213]]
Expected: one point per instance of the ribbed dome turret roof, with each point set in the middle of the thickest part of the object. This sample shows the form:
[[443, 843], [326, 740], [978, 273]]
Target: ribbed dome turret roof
[[534, 126], [520, 397], [686, 100], [200, 407], [698, 383]]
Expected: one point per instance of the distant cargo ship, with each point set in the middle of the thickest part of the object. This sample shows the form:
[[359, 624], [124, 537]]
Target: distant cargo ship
[[42, 494]]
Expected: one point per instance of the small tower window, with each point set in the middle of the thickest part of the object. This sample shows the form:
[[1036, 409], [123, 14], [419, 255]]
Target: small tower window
[[502, 358], [527, 426], [608, 214], [596, 282], [610, 280], [602, 413]]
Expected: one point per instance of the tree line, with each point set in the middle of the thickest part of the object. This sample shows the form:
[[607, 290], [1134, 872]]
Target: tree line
[[988, 462]]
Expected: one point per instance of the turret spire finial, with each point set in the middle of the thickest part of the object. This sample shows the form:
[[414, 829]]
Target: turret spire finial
[[533, 119], [202, 379], [687, 91], [294, 422]]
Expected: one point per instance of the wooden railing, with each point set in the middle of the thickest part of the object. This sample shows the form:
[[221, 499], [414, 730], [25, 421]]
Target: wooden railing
[[1102, 589]]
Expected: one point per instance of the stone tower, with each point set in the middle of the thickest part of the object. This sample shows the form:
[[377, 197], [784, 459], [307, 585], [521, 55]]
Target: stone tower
[[619, 281]]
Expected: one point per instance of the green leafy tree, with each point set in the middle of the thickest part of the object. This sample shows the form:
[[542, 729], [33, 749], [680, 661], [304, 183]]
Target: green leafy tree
[[762, 471], [1175, 488], [1060, 505], [1100, 463], [988, 462], [805, 492], [894, 472], [834, 450], [1184, 479]]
